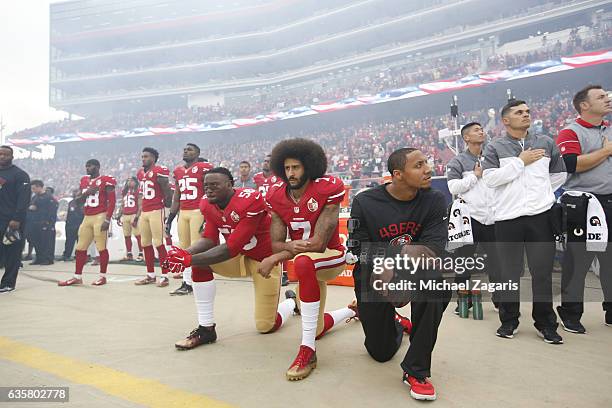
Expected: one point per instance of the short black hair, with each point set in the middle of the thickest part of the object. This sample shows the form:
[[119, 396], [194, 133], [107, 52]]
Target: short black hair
[[37, 183], [397, 159], [202, 160], [309, 153], [222, 170], [582, 95], [92, 161], [7, 147], [195, 146], [469, 125], [511, 104], [50, 190], [245, 162], [151, 150]]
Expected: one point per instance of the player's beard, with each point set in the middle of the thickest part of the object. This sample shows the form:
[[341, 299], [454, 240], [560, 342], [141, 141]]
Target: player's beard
[[299, 185]]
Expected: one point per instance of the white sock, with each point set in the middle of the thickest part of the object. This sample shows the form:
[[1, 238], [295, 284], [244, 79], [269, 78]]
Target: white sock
[[204, 294], [285, 308], [341, 315], [310, 315], [78, 276], [187, 276]]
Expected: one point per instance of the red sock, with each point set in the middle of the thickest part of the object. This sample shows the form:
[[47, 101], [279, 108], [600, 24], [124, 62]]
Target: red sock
[[149, 256], [139, 243], [161, 251], [169, 240], [277, 323], [128, 244], [328, 323], [81, 260], [103, 260]]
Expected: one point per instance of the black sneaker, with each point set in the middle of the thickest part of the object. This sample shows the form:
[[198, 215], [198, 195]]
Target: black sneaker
[[289, 294], [6, 289], [200, 335], [185, 289], [573, 326], [506, 331], [284, 280], [550, 335]]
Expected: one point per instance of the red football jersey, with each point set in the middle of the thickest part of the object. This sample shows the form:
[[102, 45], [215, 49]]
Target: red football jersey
[[264, 183], [130, 202], [96, 203], [244, 223], [190, 184], [152, 194], [301, 217]]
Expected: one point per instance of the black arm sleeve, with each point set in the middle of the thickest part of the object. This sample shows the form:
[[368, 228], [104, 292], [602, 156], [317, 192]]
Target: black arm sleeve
[[571, 160], [360, 233], [24, 194]]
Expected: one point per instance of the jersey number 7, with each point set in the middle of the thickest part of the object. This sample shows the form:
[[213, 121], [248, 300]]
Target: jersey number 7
[[302, 225]]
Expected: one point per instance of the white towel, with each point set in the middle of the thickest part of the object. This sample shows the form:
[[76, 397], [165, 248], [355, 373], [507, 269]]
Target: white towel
[[597, 227], [459, 226]]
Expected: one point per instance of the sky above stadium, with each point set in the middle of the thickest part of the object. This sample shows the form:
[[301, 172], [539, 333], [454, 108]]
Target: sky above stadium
[[24, 70]]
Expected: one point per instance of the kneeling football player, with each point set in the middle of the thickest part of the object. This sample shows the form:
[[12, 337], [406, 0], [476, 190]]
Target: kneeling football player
[[240, 216], [306, 202]]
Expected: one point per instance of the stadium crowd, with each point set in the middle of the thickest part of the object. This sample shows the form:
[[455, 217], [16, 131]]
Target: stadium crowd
[[392, 78], [354, 153]]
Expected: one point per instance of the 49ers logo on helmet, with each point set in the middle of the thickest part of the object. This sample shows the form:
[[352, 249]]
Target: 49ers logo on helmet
[[595, 221]]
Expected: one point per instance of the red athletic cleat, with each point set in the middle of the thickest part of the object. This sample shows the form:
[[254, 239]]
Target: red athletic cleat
[[404, 322], [70, 282], [304, 363], [100, 281], [420, 389]]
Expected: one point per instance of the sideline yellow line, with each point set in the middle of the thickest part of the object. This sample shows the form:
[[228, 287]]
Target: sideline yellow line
[[128, 387]]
